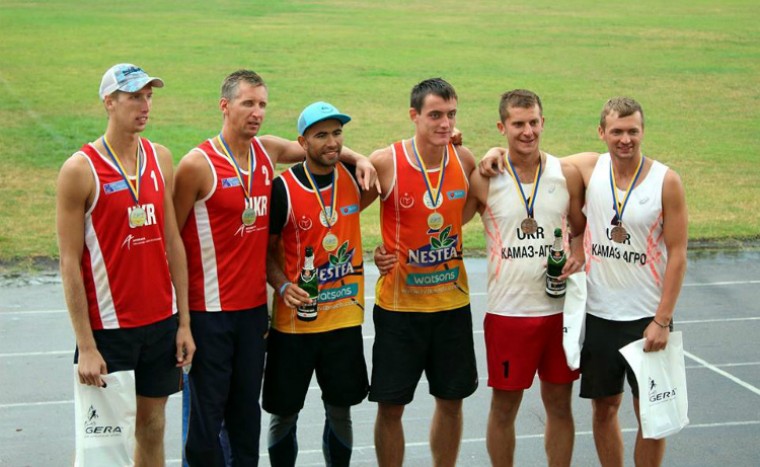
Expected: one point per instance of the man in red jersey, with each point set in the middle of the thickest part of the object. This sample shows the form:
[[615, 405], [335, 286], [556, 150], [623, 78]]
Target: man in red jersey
[[222, 203], [122, 261]]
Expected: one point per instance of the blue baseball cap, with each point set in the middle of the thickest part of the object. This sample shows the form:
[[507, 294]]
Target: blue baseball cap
[[128, 78], [317, 112]]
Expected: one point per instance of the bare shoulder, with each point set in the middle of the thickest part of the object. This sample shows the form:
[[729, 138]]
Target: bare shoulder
[[164, 155], [193, 160], [382, 158], [75, 170], [672, 185], [467, 158], [76, 181]]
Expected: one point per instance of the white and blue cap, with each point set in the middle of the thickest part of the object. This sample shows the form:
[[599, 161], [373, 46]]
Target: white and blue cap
[[318, 111], [128, 78]]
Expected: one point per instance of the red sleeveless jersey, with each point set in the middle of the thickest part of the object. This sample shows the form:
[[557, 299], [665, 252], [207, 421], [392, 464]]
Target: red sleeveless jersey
[[125, 272], [340, 271], [430, 274], [226, 259]]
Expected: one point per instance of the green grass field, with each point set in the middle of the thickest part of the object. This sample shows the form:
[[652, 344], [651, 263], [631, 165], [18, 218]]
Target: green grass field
[[694, 65]]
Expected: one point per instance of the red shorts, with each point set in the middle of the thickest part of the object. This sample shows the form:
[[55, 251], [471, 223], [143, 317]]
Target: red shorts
[[517, 347]]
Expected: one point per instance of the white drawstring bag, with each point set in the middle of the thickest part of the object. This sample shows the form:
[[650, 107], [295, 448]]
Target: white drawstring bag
[[661, 376], [574, 319], [105, 420]]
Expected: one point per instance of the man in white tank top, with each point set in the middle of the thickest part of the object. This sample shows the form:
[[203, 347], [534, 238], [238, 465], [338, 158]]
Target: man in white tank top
[[520, 208], [636, 259]]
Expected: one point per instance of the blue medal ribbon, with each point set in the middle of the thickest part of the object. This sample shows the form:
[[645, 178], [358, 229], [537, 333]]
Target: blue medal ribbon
[[247, 189], [333, 198], [426, 178], [620, 208], [134, 190], [531, 201]]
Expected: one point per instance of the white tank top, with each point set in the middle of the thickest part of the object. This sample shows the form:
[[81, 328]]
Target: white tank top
[[516, 271], [625, 279]]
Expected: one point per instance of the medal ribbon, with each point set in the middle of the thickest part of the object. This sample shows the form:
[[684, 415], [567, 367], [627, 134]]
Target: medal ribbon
[[247, 189], [428, 184], [619, 208], [531, 201], [333, 198], [134, 190]]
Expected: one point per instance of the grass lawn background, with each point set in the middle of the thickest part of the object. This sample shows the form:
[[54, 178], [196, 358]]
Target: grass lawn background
[[694, 66]]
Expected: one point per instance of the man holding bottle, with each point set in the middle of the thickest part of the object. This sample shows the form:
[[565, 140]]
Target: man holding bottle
[[315, 229], [520, 210], [222, 201]]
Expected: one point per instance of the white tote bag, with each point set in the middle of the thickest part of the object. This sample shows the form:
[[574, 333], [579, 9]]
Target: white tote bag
[[574, 319], [663, 402], [105, 420]]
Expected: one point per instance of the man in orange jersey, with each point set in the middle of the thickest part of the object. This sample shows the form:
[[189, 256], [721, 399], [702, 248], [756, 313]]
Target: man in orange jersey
[[316, 206], [422, 314], [122, 261]]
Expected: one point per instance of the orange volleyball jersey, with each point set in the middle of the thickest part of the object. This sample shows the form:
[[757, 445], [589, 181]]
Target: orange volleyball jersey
[[430, 274], [340, 271]]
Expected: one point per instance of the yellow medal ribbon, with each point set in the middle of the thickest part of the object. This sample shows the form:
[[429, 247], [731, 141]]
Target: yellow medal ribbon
[[428, 184], [227, 152], [620, 207], [333, 197], [531, 201], [134, 190]]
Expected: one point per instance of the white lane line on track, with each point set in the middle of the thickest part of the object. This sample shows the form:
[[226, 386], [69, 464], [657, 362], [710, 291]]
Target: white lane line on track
[[725, 374], [371, 298]]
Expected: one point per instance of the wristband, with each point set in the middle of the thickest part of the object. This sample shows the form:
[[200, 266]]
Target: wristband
[[283, 287], [660, 325]]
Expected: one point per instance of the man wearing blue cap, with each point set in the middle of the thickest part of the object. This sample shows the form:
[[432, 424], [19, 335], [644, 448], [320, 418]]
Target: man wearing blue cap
[[315, 209], [122, 261], [222, 200]]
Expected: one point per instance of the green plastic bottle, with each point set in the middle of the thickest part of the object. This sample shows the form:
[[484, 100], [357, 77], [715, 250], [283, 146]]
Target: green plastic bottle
[[308, 281], [555, 288]]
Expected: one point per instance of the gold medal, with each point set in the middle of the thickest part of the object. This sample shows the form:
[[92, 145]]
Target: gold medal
[[248, 217], [435, 221], [619, 234], [137, 217], [325, 221], [529, 226], [330, 242]]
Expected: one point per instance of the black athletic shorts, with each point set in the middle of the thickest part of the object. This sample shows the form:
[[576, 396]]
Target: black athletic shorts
[[603, 367], [408, 343], [337, 357], [150, 350]]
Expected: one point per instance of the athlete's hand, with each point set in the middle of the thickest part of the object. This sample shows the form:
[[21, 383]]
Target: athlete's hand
[[90, 366], [384, 261], [185, 345], [295, 296], [367, 175], [456, 137], [572, 265], [492, 163], [655, 337]]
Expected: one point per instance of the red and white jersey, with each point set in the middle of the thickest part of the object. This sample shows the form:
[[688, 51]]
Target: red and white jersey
[[226, 259], [125, 271], [625, 279]]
